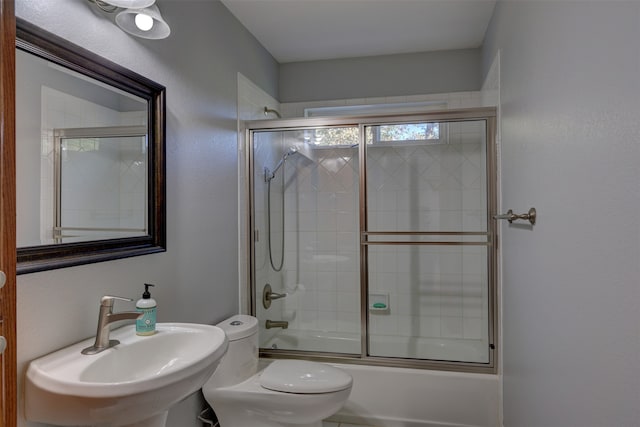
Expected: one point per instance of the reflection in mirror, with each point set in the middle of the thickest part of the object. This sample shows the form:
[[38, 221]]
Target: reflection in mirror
[[100, 175], [65, 100], [90, 156]]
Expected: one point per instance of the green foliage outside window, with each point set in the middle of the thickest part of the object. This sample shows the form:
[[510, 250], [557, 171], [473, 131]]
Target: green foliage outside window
[[348, 136]]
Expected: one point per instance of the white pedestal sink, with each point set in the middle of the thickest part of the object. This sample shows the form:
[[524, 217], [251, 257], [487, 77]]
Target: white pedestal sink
[[132, 384]]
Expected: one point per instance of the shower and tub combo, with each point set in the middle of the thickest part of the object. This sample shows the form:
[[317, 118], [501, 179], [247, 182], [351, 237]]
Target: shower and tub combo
[[376, 235]]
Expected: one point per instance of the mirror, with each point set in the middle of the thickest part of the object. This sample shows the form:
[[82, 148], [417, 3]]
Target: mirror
[[90, 147]]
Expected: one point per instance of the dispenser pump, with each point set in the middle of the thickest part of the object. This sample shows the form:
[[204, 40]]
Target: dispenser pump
[[146, 294], [146, 325]]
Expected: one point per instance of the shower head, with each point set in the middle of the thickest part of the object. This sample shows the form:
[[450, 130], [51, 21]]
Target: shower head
[[270, 174], [292, 150]]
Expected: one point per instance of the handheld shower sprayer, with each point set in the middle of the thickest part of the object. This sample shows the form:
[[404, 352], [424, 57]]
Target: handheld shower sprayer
[[270, 174], [292, 150]]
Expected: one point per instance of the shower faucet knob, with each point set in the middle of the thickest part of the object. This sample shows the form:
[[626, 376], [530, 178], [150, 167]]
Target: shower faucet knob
[[268, 295]]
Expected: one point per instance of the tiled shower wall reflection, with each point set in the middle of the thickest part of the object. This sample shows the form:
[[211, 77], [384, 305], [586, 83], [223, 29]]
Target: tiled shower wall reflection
[[59, 111]]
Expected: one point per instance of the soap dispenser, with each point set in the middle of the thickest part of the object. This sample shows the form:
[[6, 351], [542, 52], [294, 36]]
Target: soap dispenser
[[146, 325]]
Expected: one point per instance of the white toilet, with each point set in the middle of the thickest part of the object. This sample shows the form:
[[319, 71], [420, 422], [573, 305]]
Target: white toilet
[[285, 393]]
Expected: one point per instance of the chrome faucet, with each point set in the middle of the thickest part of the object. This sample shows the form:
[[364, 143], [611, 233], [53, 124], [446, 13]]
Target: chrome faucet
[[276, 324], [105, 318]]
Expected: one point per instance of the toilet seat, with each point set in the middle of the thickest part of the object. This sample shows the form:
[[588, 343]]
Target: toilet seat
[[303, 377], [250, 404]]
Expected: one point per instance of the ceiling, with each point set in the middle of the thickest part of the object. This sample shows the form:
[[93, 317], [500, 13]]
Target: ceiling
[[306, 30]]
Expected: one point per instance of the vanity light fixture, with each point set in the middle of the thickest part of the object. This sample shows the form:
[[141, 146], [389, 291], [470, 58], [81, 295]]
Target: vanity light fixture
[[140, 18], [146, 23]]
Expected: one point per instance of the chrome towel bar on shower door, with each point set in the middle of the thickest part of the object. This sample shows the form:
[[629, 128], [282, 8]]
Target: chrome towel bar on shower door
[[510, 216]]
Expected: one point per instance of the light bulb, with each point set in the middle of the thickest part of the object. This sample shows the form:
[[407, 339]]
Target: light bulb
[[143, 22]]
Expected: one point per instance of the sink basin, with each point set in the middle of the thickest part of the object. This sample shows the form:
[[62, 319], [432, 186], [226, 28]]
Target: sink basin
[[133, 383]]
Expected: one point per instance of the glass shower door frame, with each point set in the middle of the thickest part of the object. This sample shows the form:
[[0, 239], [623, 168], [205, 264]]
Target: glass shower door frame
[[370, 238]]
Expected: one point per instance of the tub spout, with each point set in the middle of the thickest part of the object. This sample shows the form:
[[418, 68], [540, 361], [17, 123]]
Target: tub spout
[[276, 324]]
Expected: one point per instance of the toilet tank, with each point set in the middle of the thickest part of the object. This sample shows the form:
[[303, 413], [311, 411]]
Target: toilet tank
[[241, 359]]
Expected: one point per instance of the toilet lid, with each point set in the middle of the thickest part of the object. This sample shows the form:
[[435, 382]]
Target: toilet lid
[[300, 376]]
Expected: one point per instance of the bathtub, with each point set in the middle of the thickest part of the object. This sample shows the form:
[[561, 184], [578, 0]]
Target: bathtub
[[404, 397], [401, 397]]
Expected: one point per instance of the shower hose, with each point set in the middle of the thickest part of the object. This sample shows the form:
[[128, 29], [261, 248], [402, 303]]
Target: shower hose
[[279, 267]]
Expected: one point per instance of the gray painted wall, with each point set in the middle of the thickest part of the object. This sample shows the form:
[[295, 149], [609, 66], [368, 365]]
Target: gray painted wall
[[570, 96], [389, 75], [197, 278]]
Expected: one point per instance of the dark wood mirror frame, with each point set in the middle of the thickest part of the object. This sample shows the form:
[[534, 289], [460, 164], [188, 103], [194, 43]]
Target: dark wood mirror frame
[[43, 44]]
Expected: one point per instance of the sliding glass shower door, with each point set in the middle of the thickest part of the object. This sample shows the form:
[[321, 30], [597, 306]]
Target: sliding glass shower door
[[372, 238], [427, 240], [306, 239]]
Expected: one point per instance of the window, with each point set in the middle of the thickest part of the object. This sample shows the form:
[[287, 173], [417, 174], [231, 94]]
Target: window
[[412, 133]]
